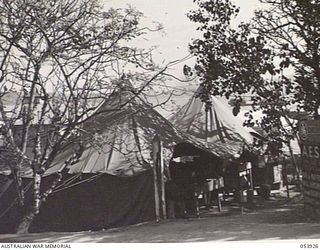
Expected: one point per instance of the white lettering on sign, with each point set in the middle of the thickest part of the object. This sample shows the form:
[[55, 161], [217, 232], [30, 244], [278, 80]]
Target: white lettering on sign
[[310, 151], [303, 132]]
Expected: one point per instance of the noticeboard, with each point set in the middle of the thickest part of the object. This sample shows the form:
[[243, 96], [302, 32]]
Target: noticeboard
[[309, 133]]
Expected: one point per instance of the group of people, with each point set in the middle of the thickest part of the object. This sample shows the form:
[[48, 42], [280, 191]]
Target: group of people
[[183, 189]]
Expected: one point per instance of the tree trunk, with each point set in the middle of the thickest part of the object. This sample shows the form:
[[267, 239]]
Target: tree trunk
[[39, 198], [25, 223], [294, 162], [27, 219], [19, 187]]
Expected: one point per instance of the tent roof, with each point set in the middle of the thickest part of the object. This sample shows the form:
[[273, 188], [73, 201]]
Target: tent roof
[[123, 128], [218, 128], [119, 137]]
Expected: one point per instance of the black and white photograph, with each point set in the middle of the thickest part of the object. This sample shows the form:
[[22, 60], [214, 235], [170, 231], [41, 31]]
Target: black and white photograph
[[161, 121]]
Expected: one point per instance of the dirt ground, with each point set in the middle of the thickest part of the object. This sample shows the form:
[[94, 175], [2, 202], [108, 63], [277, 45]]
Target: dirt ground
[[275, 219]]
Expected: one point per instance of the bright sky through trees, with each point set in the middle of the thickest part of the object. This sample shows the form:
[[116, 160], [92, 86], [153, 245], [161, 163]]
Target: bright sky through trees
[[178, 30]]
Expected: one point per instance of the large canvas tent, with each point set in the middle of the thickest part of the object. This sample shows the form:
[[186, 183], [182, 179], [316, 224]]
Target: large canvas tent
[[214, 124], [123, 134], [111, 184]]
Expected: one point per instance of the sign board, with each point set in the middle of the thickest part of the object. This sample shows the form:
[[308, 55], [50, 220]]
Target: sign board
[[309, 133]]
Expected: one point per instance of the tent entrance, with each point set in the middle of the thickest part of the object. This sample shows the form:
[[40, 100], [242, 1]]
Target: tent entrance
[[197, 177]]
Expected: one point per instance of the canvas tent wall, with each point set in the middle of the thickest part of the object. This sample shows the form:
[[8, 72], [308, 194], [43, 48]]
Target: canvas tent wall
[[87, 202], [115, 162]]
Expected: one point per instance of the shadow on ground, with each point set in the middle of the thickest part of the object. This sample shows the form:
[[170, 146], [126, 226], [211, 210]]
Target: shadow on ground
[[275, 219]]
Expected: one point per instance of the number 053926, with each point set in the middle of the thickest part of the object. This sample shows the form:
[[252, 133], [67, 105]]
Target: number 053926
[[309, 246]]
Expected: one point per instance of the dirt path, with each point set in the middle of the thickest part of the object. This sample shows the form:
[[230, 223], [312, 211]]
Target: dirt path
[[275, 219]]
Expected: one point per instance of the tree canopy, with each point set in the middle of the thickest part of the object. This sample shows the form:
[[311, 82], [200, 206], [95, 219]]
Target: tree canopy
[[274, 58]]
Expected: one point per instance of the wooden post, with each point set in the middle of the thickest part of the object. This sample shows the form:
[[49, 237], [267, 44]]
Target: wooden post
[[285, 176], [295, 164], [241, 198], [251, 179], [218, 198], [155, 149], [161, 180], [250, 191], [156, 194], [241, 189], [219, 202], [159, 185]]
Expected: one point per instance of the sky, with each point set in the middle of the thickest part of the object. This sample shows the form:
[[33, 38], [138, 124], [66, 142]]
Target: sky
[[172, 42], [178, 30]]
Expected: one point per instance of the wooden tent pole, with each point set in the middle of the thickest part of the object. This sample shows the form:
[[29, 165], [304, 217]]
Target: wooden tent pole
[[240, 189], [161, 177], [156, 194], [285, 176], [218, 198], [155, 150]]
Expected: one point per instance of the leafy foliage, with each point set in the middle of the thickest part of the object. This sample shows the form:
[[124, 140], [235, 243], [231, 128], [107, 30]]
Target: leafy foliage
[[257, 58]]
